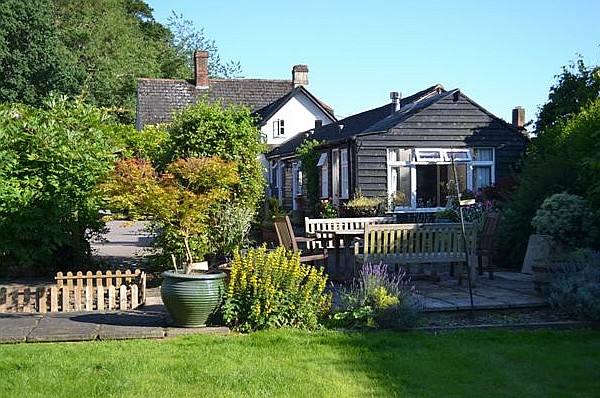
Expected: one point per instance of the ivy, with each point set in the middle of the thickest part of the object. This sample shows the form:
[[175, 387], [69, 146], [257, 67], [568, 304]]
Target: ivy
[[309, 156]]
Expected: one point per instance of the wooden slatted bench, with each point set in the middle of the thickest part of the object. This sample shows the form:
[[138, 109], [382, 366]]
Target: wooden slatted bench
[[408, 244], [315, 225]]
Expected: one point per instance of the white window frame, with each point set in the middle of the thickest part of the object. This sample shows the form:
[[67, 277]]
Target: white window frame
[[278, 128], [392, 163], [424, 156]]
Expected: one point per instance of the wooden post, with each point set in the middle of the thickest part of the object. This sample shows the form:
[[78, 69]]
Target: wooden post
[[53, 299], [100, 297], [89, 296], [66, 307], [123, 297], [118, 278], [134, 296], [59, 279], [99, 278], [41, 300], [111, 298]]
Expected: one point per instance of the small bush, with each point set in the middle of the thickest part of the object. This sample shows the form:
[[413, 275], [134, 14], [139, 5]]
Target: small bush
[[363, 206], [567, 218], [377, 299], [327, 209], [273, 289], [579, 291]]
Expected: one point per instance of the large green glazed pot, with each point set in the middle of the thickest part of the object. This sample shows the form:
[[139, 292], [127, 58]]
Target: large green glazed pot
[[192, 298]]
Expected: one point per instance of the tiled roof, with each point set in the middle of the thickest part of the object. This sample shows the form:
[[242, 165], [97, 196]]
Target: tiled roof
[[158, 98]]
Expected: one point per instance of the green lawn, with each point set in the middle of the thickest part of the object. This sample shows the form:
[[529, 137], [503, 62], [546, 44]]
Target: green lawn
[[289, 363]]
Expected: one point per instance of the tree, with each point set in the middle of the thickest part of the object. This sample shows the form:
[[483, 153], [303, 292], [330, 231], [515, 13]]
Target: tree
[[181, 200], [568, 162], [187, 39], [30, 65], [208, 129], [577, 85], [111, 44], [51, 159], [562, 158]]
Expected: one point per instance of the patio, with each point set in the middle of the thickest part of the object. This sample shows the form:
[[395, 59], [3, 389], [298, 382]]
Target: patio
[[508, 290]]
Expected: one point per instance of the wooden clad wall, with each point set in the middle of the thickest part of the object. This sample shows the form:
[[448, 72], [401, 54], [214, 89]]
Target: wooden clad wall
[[446, 123]]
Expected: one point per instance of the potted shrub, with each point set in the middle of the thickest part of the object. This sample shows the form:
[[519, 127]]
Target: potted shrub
[[448, 215], [363, 206], [566, 221], [186, 205]]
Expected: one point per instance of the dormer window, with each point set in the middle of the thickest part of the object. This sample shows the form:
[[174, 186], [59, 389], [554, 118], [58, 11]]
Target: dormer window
[[278, 128]]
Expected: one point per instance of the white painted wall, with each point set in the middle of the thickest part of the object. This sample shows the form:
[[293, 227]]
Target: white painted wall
[[299, 114]]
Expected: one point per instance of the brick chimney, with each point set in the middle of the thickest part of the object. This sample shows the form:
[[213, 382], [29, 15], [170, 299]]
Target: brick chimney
[[201, 68], [300, 75], [518, 117]]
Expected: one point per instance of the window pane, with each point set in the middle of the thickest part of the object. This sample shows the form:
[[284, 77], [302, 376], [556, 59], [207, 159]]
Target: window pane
[[344, 174], [482, 177], [429, 155], [435, 183], [401, 186], [324, 181], [400, 155], [483, 154]]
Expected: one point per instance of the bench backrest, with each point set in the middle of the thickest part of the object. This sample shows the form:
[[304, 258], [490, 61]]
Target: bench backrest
[[418, 243], [313, 225]]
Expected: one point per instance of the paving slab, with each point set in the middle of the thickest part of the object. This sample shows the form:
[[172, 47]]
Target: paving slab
[[14, 328], [126, 324], [61, 327]]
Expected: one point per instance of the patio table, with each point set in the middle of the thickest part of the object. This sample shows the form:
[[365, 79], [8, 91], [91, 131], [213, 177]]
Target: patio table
[[339, 236]]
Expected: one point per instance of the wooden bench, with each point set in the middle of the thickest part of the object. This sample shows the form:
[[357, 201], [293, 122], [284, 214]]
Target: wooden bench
[[315, 225], [408, 244]]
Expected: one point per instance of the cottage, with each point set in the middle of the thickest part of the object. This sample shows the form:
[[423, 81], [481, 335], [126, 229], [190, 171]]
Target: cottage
[[284, 108], [405, 151]]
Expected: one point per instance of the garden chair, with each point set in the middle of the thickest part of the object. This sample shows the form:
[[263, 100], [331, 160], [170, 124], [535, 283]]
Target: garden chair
[[288, 239], [486, 244]]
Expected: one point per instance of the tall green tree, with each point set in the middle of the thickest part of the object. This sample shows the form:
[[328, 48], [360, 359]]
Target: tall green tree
[[576, 87], [112, 43], [30, 65]]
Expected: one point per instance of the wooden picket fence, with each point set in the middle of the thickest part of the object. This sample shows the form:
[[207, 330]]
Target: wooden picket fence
[[79, 292]]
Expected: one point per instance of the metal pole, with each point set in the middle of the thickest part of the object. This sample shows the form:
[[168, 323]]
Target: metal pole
[[463, 231]]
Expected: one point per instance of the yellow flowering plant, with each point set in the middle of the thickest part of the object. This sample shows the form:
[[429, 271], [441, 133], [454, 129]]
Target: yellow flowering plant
[[270, 289]]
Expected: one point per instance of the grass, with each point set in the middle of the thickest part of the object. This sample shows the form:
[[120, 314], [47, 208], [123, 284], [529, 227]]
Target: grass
[[288, 363]]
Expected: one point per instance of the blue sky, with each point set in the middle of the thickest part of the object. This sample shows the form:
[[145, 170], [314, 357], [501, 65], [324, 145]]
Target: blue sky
[[500, 53]]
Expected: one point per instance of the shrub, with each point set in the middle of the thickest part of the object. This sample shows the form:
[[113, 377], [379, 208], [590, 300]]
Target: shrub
[[327, 209], [210, 130], [579, 291], [377, 299], [273, 289], [363, 206], [567, 218], [51, 158]]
